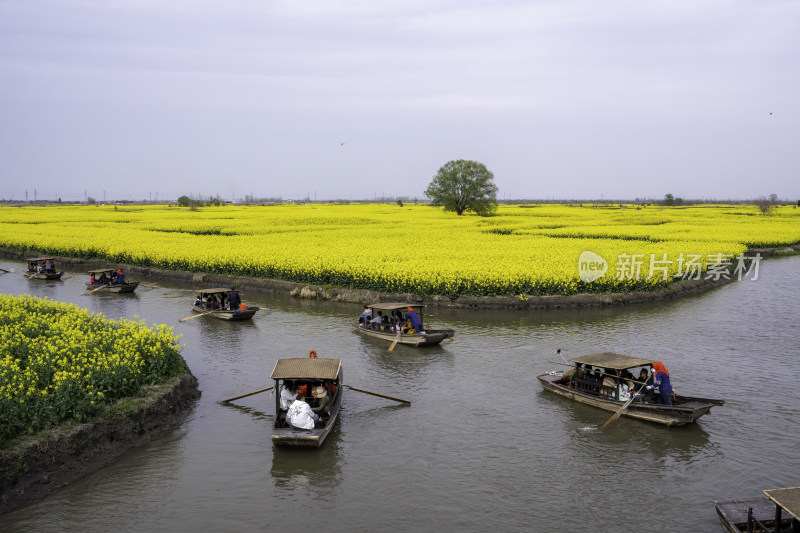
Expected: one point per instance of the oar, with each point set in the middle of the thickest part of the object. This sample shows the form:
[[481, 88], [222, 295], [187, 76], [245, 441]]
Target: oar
[[395, 340], [97, 289], [246, 395], [4, 270], [378, 395], [195, 316], [148, 286], [624, 406]]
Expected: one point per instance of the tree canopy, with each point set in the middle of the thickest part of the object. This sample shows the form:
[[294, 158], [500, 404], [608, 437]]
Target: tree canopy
[[464, 186]]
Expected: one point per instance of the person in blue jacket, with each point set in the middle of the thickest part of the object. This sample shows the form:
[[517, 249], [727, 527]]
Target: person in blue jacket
[[413, 320], [661, 384], [120, 277]]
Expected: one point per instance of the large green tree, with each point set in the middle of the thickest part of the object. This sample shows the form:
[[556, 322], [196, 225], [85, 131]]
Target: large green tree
[[464, 186]]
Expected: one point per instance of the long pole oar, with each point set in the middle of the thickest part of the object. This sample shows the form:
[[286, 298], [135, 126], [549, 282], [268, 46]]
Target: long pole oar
[[378, 395], [195, 316], [97, 289], [624, 406], [4, 270], [246, 395], [395, 340]]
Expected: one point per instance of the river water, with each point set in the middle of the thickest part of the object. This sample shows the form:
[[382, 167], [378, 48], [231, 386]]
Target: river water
[[480, 448]]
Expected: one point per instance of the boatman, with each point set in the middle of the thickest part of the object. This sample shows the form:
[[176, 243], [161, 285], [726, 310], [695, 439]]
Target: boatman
[[120, 277], [233, 300], [301, 416], [414, 321], [661, 383]]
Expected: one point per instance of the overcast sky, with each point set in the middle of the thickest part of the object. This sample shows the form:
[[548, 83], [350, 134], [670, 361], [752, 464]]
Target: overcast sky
[[567, 99]]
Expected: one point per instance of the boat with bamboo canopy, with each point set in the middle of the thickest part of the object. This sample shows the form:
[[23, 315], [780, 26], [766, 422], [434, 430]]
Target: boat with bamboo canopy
[[395, 327], [42, 268], [307, 374], [763, 515], [605, 388], [222, 303]]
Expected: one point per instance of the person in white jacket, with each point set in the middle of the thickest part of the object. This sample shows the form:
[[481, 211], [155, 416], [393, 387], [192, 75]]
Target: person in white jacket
[[300, 414], [287, 394]]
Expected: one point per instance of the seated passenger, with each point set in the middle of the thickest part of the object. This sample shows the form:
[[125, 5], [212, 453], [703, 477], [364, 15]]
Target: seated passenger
[[366, 316], [644, 379], [608, 382], [286, 394], [301, 416], [198, 302], [377, 321], [323, 404]]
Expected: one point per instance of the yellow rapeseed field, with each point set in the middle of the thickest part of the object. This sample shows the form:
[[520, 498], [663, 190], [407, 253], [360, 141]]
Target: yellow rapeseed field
[[61, 363], [524, 250]]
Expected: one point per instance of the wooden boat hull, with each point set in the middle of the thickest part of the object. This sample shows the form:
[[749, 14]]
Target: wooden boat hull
[[732, 514], [688, 410], [306, 438], [116, 287], [429, 338], [44, 275], [224, 314]]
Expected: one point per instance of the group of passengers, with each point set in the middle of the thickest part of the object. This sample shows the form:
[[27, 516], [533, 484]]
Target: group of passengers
[[653, 384], [296, 411], [394, 323], [116, 277], [47, 267], [230, 302]]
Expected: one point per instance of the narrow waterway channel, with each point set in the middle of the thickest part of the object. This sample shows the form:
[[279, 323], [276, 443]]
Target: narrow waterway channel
[[481, 447]]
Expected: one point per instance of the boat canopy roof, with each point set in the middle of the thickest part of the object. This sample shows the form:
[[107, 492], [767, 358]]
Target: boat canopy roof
[[306, 368], [786, 499], [215, 291], [37, 259], [101, 270], [616, 361], [393, 306]]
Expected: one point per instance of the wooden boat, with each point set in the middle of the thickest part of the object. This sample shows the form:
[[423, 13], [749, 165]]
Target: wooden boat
[[428, 337], [220, 297], [36, 269], [685, 409], [762, 514], [109, 285], [313, 371]]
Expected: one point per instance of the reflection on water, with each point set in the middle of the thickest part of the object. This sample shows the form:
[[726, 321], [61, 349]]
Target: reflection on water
[[480, 447]]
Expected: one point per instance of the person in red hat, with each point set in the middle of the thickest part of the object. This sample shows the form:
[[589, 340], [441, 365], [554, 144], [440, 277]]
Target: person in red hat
[[414, 321], [120, 276]]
